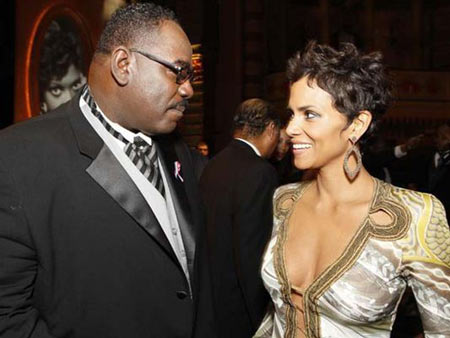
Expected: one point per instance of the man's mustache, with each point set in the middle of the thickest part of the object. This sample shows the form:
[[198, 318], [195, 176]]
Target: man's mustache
[[182, 104]]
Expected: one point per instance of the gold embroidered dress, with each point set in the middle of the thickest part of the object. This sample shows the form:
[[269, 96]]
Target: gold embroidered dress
[[358, 295]]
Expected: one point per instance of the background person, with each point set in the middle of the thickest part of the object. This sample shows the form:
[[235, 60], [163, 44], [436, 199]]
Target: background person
[[283, 146], [429, 169], [380, 157], [281, 159], [237, 187], [346, 245], [203, 149], [438, 173]]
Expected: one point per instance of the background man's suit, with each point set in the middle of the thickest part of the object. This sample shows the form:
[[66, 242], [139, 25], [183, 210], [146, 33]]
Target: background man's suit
[[436, 180], [237, 187], [420, 171], [81, 252]]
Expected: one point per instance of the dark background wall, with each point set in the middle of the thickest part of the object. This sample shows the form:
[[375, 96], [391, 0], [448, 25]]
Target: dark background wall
[[261, 34], [244, 44], [7, 29]]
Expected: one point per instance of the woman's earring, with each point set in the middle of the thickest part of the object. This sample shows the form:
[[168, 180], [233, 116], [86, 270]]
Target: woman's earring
[[351, 174]]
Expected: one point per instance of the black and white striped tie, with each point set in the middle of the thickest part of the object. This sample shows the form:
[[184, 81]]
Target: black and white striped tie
[[143, 155], [145, 158]]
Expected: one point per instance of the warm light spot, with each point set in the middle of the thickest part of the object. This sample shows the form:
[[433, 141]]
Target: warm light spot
[[197, 63], [110, 6]]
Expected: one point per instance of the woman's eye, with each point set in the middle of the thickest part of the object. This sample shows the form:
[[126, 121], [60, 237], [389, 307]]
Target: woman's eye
[[55, 91], [290, 114], [310, 114], [77, 85]]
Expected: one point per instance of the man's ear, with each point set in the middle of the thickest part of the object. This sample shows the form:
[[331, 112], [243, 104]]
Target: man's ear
[[121, 58], [360, 124], [271, 129]]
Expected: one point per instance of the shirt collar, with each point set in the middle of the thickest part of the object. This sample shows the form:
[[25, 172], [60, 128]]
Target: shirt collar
[[250, 144], [127, 134]]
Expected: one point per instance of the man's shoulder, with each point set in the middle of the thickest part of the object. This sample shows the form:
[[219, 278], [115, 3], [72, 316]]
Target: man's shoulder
[[230, 158], [34, 125], [236, 163], [36, 131], [239, 151]]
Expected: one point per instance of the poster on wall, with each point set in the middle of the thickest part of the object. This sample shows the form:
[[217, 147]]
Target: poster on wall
[[62, 64], [54, 44]]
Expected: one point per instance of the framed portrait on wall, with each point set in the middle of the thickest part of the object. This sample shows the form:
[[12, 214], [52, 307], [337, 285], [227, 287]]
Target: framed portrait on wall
[[62, 65], [53, 51]]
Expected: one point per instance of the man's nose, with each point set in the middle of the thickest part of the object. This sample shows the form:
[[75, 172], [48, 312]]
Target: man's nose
[[186, 91]]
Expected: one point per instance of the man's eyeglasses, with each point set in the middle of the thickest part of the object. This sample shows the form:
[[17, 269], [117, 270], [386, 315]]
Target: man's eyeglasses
[[183, 72]]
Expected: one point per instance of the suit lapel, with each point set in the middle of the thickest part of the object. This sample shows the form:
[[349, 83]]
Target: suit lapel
[[170, 154], [116, 183]]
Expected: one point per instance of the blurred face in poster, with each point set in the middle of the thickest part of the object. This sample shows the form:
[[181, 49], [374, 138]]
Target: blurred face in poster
[[60, 74]]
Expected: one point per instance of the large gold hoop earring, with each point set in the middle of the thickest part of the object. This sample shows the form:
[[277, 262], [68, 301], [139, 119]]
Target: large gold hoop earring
[[351, 174]]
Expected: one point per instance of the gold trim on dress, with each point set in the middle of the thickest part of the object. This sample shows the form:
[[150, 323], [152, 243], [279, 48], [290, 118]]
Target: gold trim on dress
[[284, 205]]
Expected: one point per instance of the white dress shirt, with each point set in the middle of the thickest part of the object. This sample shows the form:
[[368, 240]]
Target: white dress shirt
[[250, 144]]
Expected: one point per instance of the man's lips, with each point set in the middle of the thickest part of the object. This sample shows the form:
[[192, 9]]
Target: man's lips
[[181, 107]]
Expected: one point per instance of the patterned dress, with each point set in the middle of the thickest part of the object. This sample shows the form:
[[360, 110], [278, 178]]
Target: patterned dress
[[358, 295]]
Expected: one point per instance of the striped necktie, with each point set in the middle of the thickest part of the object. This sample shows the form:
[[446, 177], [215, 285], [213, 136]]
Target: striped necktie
[[143, 155]]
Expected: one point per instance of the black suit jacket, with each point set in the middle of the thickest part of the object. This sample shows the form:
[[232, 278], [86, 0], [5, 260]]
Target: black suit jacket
[[420, 171], [375, 162], [438, 182], [237, 188], [81, 252]]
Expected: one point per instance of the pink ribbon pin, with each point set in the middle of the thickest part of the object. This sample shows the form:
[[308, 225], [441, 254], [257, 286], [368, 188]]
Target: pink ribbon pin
[[178, 171]]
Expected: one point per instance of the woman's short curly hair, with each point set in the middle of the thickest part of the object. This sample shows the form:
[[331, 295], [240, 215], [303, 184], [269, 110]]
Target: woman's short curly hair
[[355, 81]]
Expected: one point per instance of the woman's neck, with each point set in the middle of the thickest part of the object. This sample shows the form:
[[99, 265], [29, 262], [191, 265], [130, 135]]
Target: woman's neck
[[334, 187]]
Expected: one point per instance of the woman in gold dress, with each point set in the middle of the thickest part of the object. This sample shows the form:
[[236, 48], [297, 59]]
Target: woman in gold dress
[[345, 245]]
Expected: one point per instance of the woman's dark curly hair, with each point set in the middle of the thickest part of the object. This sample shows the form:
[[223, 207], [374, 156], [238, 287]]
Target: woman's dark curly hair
[[59, 51], [355, 81]]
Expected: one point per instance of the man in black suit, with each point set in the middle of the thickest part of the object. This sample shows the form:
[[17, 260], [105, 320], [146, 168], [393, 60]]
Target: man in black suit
[[100, 231], [427, 168], [381, 158], [237, 187]]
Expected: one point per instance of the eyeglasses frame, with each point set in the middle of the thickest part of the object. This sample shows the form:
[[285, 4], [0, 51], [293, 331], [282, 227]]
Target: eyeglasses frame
[[177, 69]]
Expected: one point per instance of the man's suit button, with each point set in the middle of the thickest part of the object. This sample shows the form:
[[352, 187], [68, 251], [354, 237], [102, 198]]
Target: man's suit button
[[181, 294]]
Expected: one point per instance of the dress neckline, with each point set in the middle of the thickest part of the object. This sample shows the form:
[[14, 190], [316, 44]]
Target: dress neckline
[[366, 218]]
